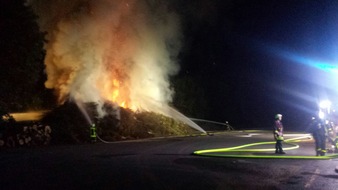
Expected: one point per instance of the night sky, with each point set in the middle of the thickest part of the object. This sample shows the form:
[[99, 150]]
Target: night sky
[[256, 58], [259, 58]]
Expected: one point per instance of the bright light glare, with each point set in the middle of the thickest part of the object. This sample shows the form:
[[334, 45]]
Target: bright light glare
[[326, 66], [325, 104], [321, 115]]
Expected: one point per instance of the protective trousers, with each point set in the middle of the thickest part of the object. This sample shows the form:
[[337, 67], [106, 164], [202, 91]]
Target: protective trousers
[[279, 146], [321, 145]]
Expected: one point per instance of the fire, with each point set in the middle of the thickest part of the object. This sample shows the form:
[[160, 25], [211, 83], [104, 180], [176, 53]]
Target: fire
[[123, 104], [119, 97], [123, 51], [116, 91]]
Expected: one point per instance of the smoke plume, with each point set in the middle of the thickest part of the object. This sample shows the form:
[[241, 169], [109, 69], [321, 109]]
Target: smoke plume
[[122, 51], [117, 50]]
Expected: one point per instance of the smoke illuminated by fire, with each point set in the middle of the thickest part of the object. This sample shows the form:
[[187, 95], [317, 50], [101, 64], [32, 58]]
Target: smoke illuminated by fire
[[116, 50], [121, 51]]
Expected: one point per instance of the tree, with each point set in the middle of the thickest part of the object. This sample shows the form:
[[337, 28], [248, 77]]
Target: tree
[[21, 55]]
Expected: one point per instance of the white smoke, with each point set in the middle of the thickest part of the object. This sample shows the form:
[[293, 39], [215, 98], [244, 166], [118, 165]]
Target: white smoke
[[90, 42], [95, 47]]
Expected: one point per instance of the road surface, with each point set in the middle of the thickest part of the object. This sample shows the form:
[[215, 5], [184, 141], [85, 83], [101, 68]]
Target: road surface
[[169, 163]]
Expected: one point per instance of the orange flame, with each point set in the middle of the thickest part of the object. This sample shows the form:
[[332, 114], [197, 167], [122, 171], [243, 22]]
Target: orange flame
[[116, 91], [123, 104], [119, 95]]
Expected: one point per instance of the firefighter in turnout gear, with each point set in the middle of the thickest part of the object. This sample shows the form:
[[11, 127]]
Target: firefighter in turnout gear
[[335, 143], [93, 133], [318, 130], [278, 134]]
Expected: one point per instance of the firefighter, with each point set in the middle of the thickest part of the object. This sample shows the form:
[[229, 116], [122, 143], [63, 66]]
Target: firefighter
[[318, 130], [93, 133], [335, 143], [278, 134]]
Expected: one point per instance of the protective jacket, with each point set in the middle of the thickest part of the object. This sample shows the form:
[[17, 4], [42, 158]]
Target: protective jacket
[[278, 130]]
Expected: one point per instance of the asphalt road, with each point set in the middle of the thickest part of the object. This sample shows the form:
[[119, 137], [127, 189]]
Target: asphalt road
[[167, 163]]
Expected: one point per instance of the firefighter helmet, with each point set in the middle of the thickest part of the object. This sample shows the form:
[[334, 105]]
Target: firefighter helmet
[[277, 116]]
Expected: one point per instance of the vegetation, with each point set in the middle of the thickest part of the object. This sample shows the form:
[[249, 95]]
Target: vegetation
[[69, 124], [21, 53]]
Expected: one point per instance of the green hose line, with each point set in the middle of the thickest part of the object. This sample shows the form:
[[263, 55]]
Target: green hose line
[[243, 148]]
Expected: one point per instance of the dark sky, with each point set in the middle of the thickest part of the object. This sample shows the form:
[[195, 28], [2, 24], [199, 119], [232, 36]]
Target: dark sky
[[257, 58], [260, 58]]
